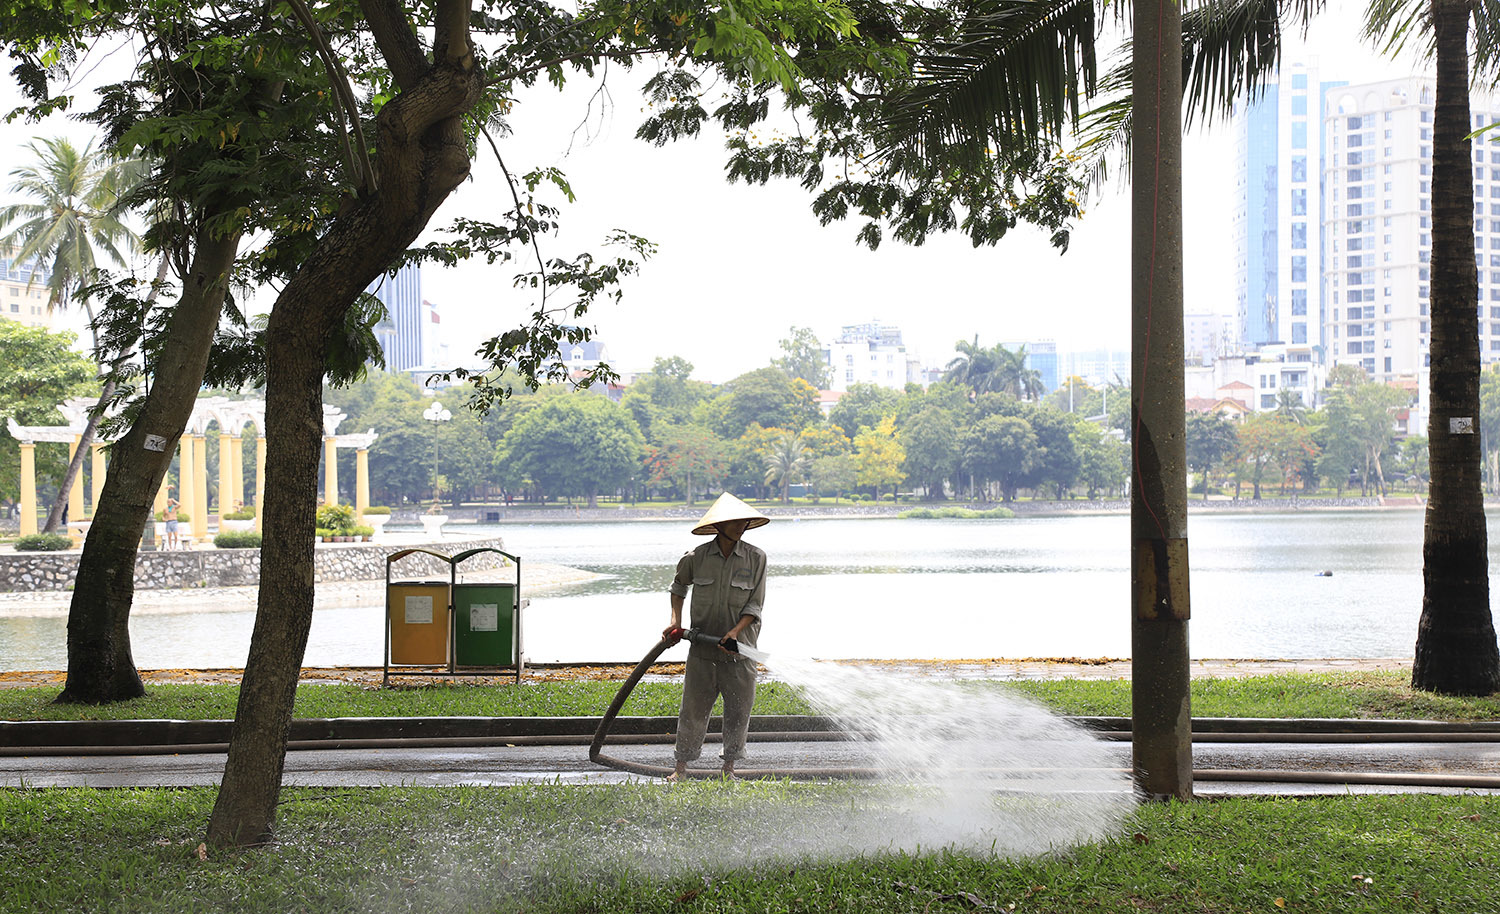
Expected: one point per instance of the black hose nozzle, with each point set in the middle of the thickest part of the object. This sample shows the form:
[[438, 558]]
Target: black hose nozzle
[[707, 640]]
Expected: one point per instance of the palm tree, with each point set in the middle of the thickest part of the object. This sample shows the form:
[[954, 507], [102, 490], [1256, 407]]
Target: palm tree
[[1015, 378], [788, 459], [1289, 406], [1456, 649], [974, 367], [73, 217]]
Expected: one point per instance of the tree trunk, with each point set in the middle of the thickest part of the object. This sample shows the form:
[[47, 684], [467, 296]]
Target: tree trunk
[[1456, 649], [422, 157], [1162, 750], [101, 667], [75, 466]]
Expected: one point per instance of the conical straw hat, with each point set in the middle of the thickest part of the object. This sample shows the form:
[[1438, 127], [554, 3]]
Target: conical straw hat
[[729, 508]]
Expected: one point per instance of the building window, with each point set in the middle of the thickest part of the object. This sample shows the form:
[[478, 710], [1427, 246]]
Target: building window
[[1299, 303], [1299, 236], [1299, 201], [1299, 268], [1299, 169], [1299, 333]]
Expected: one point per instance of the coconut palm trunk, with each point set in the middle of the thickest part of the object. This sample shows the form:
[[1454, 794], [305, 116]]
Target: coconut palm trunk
[[1456, 648]]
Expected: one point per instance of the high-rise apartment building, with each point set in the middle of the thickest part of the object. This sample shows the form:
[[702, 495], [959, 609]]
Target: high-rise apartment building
[[23, 291], [1378, 225], [1279, 157], [403, 333]]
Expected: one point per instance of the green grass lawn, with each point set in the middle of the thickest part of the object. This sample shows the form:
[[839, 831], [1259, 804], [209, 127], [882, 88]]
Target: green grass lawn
[[650, 848], [1346, 695]]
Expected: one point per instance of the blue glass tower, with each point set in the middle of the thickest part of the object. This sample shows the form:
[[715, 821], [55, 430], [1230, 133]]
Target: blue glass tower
[[400, 334]]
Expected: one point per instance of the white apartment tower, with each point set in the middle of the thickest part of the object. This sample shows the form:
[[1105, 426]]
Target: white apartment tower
[[1378, 225]]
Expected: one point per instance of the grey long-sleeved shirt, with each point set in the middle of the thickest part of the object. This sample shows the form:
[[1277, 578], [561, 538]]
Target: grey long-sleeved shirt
[[723, 589]]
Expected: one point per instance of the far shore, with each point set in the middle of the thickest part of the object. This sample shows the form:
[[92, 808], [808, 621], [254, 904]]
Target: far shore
[[501, 515], [333, 594]]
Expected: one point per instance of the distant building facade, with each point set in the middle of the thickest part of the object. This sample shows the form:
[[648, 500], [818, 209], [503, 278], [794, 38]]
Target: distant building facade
[[23, 291], [1205, 336], [871, 353], [1041, 357]]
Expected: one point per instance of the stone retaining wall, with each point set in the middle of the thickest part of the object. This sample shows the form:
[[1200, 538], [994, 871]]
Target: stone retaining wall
[[31, 571]]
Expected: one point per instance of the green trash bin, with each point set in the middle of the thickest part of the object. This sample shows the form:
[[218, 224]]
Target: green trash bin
[[484, 629]]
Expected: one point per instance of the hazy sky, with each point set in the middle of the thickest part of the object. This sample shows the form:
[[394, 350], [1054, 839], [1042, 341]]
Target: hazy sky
[[737, 266]]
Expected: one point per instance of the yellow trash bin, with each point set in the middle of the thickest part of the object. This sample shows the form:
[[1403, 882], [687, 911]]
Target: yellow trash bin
[[418, 611]]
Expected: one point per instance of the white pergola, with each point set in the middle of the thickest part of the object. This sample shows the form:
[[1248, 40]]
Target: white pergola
[[231, 417]]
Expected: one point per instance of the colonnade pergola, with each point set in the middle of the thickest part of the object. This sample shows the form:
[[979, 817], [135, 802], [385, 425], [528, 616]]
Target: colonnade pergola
[[231, 417]]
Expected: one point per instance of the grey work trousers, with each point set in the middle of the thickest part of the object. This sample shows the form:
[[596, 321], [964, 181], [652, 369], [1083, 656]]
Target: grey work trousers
[[704, 681]]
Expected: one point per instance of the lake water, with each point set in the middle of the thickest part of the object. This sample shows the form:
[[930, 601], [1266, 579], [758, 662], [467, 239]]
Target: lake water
[[904, 589]]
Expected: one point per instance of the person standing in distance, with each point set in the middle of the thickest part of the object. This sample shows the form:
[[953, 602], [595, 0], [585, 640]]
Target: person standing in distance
[[727, 577]]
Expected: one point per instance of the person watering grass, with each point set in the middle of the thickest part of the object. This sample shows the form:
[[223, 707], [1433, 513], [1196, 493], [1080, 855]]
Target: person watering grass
[[728, 580]]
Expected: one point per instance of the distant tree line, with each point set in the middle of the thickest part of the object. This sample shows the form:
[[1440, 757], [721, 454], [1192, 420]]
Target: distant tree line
[[981, 434]]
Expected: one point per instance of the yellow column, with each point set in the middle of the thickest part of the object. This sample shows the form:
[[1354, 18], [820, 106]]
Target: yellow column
[[28, 488], [330, 472], [186, 485], [361, 482], [260, 480], [160, 504], [75, 494], [237, 467], [97, 453], [227, 498], [200, 488]]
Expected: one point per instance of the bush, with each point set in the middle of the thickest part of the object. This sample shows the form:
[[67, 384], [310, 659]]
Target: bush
[[181, 515], [361, 530], [238, 539], [955, 512], [43, 542], [241, 514], [377, 509], [338, 518], [322, 533]]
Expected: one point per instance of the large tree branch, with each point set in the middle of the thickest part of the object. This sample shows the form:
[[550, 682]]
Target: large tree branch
[[357, 152], [398, 42], [450, 20]]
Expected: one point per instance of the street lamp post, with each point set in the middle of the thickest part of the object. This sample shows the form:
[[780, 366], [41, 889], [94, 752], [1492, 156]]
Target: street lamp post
[[435, 414]]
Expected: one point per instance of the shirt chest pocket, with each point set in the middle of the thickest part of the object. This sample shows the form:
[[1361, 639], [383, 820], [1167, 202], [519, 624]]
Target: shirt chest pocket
[[703, 591], [740, 585]]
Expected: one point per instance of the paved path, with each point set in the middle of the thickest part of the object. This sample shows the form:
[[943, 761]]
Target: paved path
[[569, 764]]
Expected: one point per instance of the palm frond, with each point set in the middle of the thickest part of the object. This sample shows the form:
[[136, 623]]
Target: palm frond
[[1010, 79], [1399, 25], [1230, 48], [1485, 26]]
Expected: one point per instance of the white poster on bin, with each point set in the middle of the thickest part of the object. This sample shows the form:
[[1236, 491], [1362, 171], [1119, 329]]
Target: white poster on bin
[[484, 617], [419, 610]]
